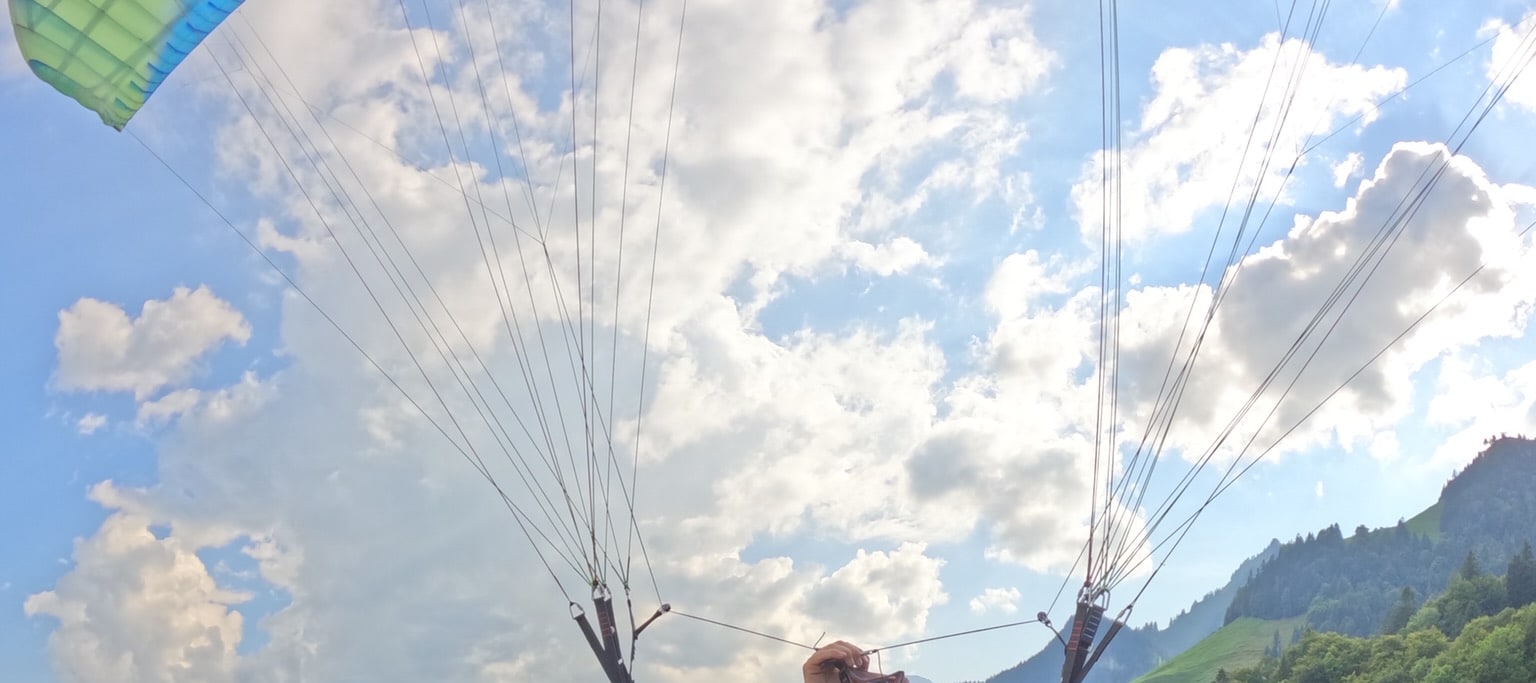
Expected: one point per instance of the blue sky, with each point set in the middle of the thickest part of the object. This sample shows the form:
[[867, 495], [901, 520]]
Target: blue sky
[[868, 397]]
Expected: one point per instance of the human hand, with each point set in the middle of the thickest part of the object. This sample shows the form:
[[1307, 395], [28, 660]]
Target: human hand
[[822, 667]]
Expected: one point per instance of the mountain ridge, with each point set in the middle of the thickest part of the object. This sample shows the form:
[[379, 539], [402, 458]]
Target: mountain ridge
[[1333, 582]]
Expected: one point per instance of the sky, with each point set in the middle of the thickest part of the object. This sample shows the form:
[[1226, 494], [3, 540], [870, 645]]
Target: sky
[[790, 318]]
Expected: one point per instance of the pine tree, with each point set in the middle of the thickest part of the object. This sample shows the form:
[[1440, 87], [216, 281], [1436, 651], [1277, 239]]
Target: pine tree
[[1470, 568], [1402, 610], [1521, 578]]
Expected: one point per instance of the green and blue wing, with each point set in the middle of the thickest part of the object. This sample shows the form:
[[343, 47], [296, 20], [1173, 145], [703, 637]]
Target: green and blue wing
[[111, 55]]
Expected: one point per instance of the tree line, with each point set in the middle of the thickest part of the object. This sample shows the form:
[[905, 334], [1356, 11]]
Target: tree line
[[1481, 629], [1345, 584]]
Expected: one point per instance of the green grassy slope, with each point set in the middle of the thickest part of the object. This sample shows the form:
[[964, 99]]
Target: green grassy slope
[[1237, 645], [1427, 523]]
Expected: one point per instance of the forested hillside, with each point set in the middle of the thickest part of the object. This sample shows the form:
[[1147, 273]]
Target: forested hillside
[[1482, 629], [1347, 585], [1137, 650], [1363, 584]]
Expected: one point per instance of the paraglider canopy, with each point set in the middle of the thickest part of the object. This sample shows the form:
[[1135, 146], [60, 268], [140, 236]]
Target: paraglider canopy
[[111, 56]]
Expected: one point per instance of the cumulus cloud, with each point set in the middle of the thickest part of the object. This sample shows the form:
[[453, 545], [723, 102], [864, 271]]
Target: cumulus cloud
[[1042, 346], [1347, 168], [102, 349], [168, 406], [986, 462], [900, 255], [1476, 402], [1199, 132], [1385, 447], [1041, 352], [897, 587], [808, 425], [814, 140], [808, 139], [139, 608], [1465, 222], [88, 425], [207, 406], [1003, 600], [1503, 65]]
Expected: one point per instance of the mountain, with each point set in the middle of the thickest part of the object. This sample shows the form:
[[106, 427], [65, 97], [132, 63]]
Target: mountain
[[1355, 586], [1138, 650], [1482, 629], [1328, 581], [1347, 585], [1240, 644]]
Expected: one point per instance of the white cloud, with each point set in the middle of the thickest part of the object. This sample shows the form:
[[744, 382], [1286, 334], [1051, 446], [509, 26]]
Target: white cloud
[[1476, 402], [1018, 192], [1043, 346], [900, 255], [101, 349], [1007, 470], [306, 250], [1194, 135], [168, 406], [1004, 600], [898, 587], [1318, 489], [1465, 222], [1347, 168], [995, 58], [806, 423], [88, 425], [1022, 279], [1385, 447], [1503, 64], [808, 136], [808, 141], [138, 608], [207, 407]]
